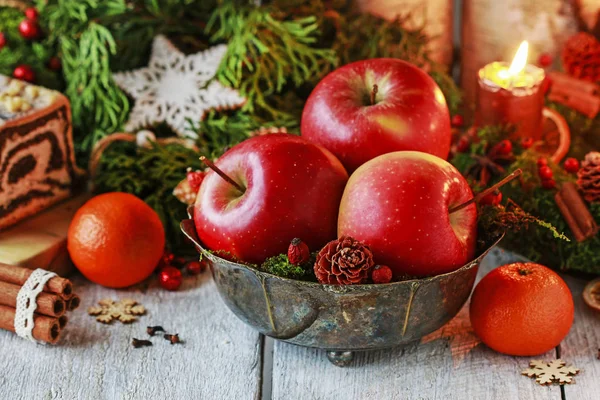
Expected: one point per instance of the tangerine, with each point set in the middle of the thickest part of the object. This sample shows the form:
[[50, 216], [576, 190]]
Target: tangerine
[[522, 309], [116, 240]]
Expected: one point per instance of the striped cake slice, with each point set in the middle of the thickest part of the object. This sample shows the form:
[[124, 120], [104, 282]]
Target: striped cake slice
[[37, 160]]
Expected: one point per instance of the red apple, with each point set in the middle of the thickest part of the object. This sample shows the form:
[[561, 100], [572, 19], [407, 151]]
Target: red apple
[[291, 189], [407, 112], [398, 204]]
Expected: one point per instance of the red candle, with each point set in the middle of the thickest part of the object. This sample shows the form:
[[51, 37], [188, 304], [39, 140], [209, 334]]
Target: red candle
[[511, 95]]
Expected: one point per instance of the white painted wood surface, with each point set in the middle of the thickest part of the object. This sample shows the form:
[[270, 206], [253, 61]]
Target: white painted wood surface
[[582, 347], [220, 358]]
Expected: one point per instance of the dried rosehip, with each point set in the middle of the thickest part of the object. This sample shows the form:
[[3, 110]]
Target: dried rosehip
[[298, 252], [526, 142], [492, 199]]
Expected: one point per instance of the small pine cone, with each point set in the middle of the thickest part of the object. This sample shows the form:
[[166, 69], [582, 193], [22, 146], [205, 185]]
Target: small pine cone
[[344, 261], [581, 57], [588, 177]]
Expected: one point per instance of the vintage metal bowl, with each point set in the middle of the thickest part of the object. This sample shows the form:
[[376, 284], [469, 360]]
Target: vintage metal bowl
[[339, 319]]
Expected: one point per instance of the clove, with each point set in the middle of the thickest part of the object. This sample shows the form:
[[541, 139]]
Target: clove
[[137, 343], [172, 338], [153, 329]]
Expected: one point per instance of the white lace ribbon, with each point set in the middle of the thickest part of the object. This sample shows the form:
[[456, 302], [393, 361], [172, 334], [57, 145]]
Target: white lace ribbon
[[27, 302]]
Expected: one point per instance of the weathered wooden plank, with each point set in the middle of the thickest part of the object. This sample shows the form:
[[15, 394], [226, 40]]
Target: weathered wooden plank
[[220, 359], [448, 364], [581, 347]]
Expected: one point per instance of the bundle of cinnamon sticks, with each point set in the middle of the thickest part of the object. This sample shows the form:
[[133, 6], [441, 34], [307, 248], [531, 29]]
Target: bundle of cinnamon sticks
[[574, 93], [52, 304]]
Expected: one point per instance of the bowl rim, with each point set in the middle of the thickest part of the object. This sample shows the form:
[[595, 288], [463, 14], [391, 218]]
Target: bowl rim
[[193, 236]]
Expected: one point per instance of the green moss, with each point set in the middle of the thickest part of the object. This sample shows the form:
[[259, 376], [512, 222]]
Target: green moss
[[281, 266]]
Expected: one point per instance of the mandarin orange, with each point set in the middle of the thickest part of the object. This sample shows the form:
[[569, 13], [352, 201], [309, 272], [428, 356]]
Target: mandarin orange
[[522, 309], [116, 240]]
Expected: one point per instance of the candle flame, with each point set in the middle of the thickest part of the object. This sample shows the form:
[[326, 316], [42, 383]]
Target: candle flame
[[520, 60]]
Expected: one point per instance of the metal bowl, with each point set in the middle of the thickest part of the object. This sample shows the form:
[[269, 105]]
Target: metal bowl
[[340, 319]]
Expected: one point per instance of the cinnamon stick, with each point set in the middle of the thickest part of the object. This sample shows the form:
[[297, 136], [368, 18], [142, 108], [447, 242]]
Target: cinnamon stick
[[585, 103], [18, 276], [73, 302], [48, 304], [62, 321], [561, 80], [575, 212], [46, 329]]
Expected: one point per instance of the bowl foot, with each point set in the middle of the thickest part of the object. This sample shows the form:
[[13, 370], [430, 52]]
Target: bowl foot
[[340, 358]]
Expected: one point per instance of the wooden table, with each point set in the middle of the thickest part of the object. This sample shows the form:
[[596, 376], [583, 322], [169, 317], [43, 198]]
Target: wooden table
[[224, 359]]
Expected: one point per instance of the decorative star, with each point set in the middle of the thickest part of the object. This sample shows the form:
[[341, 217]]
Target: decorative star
[[174, 88]]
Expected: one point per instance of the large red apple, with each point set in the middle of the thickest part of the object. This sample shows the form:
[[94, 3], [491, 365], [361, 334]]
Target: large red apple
[[407, 112], [398, 204], [291, 188]]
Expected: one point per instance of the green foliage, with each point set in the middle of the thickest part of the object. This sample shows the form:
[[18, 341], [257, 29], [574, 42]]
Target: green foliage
[[99, 107], [533, 226], [281, 266], [265, 54], [18, 50], [151, 174]]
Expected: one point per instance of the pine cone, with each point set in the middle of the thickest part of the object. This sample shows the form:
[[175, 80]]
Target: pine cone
[[344, 261], [581, 57], [588, 177]]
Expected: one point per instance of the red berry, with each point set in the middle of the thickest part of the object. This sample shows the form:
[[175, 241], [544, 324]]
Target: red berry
[[29, 29], [381, 274], [545, 60], [24, 72], [492, 199], [548, 183], [170, 278], [195, 267], [545, 172], [54, 64], [32, 13], [463, 145], [2, 40], [526, 142], [298, 252], [457, 121], [504, 147], [541, 162], [571, 165], [195, 179]]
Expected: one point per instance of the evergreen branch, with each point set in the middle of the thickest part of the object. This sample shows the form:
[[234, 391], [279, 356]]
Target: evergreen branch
[[265, 54]]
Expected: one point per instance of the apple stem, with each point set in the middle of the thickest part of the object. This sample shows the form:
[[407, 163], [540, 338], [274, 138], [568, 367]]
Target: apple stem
[[487, 191], [373, 94], [222, 174]]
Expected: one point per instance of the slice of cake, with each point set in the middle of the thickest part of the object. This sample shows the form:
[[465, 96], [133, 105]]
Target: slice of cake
[[37, 161]]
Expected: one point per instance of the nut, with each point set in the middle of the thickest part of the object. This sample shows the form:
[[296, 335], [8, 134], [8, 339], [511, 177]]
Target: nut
[[32, 91], [14, 87], [25, 106]]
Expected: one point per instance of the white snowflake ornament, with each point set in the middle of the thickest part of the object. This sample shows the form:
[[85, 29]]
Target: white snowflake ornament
[[174, 87]]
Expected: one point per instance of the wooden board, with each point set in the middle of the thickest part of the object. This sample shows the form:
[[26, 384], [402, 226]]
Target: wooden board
[[581, 347], [220, 359], [449, 364], [41, 241]]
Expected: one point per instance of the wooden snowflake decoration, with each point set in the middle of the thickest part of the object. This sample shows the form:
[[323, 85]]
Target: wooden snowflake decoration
[[546, 373], [175, 88], [125, 311]]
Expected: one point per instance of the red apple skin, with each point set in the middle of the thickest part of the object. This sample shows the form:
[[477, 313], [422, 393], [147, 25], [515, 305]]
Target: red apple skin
[[410, 112], [398, 204], [293, 189]]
